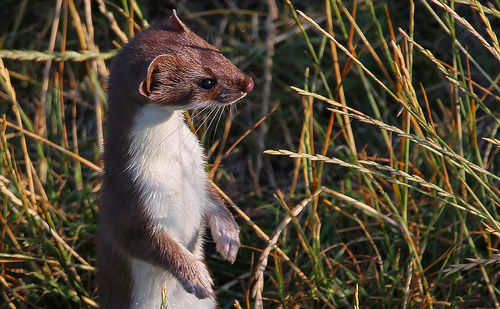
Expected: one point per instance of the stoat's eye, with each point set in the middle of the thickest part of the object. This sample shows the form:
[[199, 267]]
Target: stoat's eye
[[208, 83]]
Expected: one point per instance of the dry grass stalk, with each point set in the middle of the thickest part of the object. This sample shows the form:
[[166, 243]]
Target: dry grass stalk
[[494, 50], [495, 258], [258, 276]]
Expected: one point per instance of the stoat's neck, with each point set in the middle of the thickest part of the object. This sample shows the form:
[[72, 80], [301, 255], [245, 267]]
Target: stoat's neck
[[156, 131]]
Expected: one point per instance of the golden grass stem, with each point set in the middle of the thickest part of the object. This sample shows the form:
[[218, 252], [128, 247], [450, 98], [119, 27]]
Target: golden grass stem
[[338, 77], [40, 124], [111, 19], [350, 55], [54, 145]]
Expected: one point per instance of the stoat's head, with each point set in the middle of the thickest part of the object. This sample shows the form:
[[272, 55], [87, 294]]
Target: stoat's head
[[179, 69]]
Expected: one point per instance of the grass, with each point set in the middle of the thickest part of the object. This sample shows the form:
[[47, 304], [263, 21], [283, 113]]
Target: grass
[[363, 169]]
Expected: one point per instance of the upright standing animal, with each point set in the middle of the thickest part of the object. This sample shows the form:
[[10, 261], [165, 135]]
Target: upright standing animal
[[156, 196]]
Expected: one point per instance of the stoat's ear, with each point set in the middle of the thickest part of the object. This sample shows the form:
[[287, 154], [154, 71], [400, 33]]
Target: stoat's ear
[[175, 23], [162, 84], [148, 84]]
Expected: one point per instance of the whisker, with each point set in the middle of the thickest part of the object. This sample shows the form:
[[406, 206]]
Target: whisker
[[217, 124], [204, 120], [202, 110], [178, 151], [211, 121], [177, 128]]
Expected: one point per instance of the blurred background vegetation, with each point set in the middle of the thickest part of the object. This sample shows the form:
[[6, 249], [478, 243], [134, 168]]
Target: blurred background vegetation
[[363, 169]]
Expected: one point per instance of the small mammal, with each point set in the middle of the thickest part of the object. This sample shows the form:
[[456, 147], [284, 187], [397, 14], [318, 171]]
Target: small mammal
[[156, 196]]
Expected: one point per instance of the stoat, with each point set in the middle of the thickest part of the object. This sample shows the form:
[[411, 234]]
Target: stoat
[[156, 196]]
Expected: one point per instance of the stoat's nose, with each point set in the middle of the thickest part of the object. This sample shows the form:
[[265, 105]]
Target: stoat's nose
[[248, 85]]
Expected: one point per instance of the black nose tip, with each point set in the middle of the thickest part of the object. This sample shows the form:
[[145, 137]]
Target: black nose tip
[[248, 86]]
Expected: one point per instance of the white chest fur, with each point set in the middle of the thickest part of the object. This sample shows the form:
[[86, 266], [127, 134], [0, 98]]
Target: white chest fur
[[167, 165], [166, 161]]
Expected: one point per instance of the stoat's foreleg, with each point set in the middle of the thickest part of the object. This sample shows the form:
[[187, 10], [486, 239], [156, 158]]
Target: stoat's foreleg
[[155, 246], [225, 230]]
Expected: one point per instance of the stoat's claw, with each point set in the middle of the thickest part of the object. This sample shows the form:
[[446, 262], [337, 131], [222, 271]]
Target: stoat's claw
[[226, 235], [198, 280]]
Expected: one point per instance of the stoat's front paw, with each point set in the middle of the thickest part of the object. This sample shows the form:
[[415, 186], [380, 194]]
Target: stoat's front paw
[[197, 280], [226, 235]]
